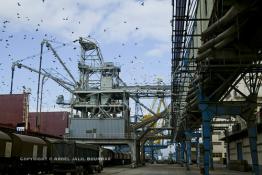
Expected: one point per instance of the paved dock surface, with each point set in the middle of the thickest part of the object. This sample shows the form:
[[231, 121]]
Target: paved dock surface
[[163, 169]]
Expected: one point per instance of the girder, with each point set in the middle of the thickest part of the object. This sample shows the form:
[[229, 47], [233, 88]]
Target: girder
[[229, 52]]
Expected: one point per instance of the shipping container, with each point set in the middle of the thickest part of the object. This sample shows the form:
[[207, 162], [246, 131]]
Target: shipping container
[[52, 123], [11, 109]]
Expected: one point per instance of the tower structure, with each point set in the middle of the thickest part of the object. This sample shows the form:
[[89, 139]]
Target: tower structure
[[100, 107]]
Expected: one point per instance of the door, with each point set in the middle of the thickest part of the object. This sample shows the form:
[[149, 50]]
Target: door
[[239, 151]]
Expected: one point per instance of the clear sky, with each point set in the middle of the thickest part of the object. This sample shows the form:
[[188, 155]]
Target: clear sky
[[136, 34]]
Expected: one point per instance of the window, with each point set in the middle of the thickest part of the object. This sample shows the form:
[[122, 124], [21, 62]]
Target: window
[[217, 154], [217, 143], [216, 133]]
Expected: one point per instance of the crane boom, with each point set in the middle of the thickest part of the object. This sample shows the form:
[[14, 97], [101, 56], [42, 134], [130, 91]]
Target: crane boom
[[48, 45], [62, 83]]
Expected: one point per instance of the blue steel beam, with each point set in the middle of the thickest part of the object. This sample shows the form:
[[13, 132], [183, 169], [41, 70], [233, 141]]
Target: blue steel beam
[[207, 116], [177, 151], [206, 129], [252, 135], [188, 149], [197, 151], [182, 153], [188, 135], [208, 111]]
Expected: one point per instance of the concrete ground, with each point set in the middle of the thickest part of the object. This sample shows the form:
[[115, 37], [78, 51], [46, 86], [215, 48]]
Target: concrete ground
[[163, 169]]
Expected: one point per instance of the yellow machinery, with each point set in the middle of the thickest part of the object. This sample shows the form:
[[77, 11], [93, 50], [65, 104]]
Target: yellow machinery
[[156, 106]]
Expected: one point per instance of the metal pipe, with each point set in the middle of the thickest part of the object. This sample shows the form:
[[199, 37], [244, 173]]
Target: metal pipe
[[192, 89], [220, 41], [41, 97], [193, 100], [230, 31], [224, 42], [197, 79], [190, 95], [12, 79], [219, 45], [38, 88], [227, 18]]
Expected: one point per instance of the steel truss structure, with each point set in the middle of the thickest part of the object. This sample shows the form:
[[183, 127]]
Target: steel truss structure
[[204, 74], [183, 62]]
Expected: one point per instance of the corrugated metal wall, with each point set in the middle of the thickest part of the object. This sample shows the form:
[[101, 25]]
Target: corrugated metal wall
[[53, 123], [11, 109], [97, 128]]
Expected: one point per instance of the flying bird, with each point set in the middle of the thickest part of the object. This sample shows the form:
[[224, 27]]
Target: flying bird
[[18, 4]]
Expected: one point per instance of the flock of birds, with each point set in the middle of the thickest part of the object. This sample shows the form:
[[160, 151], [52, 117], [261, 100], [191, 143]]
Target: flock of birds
[[7, 38]]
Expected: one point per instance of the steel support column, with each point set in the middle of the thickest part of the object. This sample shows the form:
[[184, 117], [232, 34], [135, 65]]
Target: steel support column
[[197, 151], [252, 135], [188, 148], [134, 153], [211, 153], [182, 153], [206, 130], [142, 150], [177, 152], [209, 110], [188, 153], [250, 117]]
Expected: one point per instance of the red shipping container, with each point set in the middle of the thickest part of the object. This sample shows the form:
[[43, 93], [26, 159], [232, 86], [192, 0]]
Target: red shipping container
[[52, 123], [11, 109]]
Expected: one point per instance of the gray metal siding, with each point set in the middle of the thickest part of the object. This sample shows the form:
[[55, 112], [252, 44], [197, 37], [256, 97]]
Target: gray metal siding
[[97, 128]]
